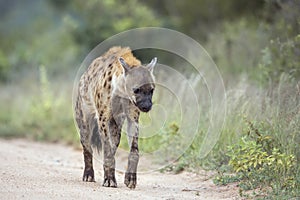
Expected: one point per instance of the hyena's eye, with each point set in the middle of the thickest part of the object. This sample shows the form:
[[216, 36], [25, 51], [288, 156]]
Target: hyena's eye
[[136, 90]]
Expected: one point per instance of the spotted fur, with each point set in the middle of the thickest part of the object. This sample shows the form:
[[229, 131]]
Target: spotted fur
[[115, 87]]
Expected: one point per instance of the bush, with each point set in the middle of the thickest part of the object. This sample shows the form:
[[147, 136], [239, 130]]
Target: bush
[[99, 20], [281, 57], [259, 163]]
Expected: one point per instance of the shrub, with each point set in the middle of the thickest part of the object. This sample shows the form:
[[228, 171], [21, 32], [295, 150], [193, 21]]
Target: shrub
[[258, 161], [280, 57]]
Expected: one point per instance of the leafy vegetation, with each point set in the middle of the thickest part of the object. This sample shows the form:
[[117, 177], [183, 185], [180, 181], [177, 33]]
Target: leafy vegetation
[[255, 44], [259, 163]]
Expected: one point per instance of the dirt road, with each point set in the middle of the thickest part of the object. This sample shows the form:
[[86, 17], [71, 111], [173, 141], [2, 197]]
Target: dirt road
[[31, 170]]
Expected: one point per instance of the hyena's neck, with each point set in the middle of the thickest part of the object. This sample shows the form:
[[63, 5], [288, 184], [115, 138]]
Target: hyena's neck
[[118, 86]]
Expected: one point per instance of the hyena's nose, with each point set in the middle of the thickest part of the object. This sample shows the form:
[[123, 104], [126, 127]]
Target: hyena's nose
[[146, 106]]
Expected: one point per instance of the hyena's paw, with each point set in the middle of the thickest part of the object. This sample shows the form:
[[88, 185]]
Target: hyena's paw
[[109, 182], [130, 180], [109, 177], [88, 175]]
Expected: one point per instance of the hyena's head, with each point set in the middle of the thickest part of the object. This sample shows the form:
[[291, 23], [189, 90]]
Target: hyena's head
[[139, 84]]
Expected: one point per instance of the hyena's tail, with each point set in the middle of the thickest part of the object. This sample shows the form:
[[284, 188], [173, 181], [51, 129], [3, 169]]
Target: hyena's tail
[[94, 129]]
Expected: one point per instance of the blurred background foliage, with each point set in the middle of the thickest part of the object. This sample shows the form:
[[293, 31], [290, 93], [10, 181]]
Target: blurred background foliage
[[240, 35], [255, 44]]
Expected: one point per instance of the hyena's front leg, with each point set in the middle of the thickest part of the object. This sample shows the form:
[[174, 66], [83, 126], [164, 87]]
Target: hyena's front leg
[[133, 159], [111, 142]]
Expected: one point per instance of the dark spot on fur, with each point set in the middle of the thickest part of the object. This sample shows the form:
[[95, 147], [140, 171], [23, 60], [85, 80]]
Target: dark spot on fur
[[105, 83], [109, 78]]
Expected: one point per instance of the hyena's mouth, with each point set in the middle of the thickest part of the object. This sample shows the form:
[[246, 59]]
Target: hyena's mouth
[[145, 107]]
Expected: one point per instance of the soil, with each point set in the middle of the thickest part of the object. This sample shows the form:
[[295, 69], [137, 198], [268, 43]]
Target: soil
[[33, 170]]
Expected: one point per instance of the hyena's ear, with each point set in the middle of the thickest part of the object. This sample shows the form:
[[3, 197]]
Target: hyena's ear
[[124, 65], [151, 65]]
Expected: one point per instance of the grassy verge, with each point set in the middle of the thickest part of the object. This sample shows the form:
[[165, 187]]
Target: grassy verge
[[259, 142]]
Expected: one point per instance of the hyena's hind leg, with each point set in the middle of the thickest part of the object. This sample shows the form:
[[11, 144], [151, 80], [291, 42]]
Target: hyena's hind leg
[[85, 139], [88, 173]]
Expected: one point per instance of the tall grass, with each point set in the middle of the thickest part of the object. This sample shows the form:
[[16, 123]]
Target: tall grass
[[38, 109]]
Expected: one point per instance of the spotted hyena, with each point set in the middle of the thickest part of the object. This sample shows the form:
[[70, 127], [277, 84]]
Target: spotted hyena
[[115, 87]]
